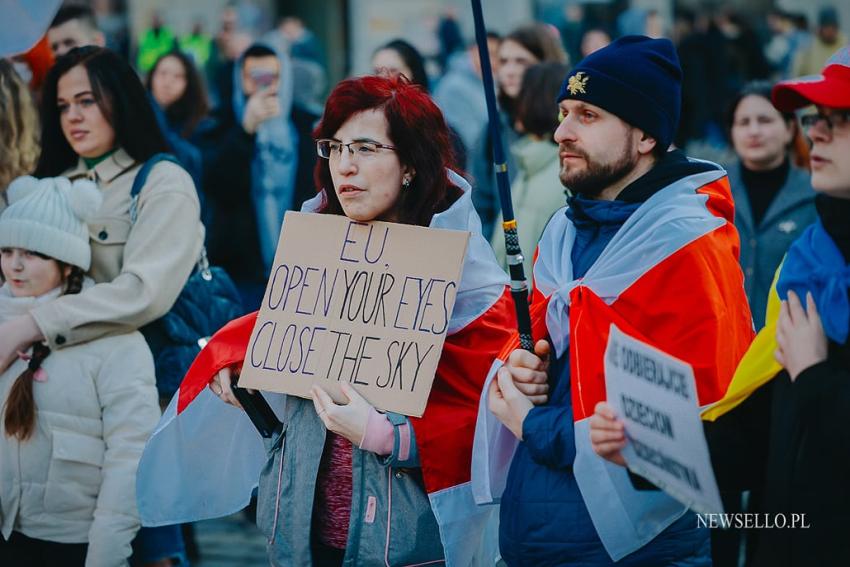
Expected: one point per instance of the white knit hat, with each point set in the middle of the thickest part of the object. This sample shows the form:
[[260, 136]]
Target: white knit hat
[[49, 216]]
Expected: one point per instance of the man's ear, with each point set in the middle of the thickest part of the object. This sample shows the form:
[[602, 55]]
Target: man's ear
[[646, 143], [99, 39]]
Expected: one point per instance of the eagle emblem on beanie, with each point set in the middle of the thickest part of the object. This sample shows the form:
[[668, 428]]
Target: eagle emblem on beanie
[[635, 78], [578, 83]]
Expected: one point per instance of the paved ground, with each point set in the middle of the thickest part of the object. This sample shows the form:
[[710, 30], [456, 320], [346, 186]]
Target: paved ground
[[233, 541]]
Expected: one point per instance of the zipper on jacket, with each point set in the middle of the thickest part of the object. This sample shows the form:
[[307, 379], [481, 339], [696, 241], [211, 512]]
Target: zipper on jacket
[[278, 495], [389, 514]]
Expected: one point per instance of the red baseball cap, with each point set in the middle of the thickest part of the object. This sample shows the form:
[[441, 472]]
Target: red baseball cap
[[831, 88]]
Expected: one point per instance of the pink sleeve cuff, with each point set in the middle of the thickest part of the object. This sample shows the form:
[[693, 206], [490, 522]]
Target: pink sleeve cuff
[[379, 436]]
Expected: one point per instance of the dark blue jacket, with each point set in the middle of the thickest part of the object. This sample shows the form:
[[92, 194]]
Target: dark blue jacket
[[185, 150], [544, 520]]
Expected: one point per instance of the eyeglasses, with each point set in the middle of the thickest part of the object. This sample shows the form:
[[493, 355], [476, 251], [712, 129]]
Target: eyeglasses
[[835, 119], [333, 149]]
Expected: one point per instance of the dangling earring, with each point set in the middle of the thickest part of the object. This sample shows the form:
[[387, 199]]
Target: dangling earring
[[405, 184]]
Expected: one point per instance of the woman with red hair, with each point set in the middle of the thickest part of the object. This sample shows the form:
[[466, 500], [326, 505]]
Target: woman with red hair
[[344, 483]]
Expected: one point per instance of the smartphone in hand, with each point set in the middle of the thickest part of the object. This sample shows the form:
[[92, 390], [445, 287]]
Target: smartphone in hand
[[258, 409], [263, 78]]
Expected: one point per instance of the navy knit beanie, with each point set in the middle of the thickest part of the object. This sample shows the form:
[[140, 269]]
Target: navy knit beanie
[[636, 78]]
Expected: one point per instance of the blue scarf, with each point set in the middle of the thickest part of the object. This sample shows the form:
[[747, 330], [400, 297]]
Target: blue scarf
[[815, 264]]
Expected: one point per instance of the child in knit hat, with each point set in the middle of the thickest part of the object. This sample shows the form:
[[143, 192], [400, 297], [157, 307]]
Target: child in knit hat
[[74, 422]]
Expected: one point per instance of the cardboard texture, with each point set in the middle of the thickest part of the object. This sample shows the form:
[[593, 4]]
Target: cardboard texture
[[365, 303]]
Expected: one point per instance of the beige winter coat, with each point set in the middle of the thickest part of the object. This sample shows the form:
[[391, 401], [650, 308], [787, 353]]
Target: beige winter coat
[[810, 60], [140, 269], [537, 194], [74, 480]]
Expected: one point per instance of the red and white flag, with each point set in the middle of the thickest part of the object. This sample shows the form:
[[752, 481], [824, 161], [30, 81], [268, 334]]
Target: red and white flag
[[204, 458]]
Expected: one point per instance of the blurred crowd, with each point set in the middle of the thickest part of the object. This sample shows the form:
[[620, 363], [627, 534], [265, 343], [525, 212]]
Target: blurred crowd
[[255, 96]]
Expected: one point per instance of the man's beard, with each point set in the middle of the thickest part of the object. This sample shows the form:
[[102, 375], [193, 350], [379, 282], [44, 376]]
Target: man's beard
[[596, 177]]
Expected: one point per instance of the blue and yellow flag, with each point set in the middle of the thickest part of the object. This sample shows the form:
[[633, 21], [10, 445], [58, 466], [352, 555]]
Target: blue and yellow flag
[[814, 264]]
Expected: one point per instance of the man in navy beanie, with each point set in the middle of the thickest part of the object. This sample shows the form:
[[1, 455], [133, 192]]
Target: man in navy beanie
[[646, 241]]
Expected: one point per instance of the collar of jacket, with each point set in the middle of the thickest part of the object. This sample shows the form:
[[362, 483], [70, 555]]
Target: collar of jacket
[[592, 213], [532, 154], [107, 170], [833, 213], [797, 191], [674, 166], [11, 306]]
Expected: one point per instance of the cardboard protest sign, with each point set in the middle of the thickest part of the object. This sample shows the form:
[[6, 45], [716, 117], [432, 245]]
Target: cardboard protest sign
[[364, 303], [655, 396]]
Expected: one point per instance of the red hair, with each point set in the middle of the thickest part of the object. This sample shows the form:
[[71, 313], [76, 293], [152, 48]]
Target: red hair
[[416, 128]]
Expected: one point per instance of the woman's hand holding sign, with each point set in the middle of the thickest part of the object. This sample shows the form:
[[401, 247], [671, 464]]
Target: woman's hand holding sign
[[348, 420]]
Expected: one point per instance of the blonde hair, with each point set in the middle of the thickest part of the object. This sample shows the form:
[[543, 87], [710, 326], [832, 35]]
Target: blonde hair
[[19, 129]]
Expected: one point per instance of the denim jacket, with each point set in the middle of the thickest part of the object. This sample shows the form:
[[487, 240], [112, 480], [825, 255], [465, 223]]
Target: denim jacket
[[391, 518]]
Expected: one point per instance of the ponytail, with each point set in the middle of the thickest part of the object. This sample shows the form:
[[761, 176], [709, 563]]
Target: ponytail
[[20, 406]]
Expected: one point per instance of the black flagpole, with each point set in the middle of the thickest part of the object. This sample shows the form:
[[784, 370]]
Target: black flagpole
[[519, 286]]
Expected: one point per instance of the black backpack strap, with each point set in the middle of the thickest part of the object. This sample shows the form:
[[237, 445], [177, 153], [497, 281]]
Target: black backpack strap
[[142, 177]]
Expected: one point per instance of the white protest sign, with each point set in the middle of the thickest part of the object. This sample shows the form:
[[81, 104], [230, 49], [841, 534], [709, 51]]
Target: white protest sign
[[655, 396], [364, 303]]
